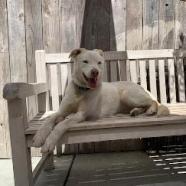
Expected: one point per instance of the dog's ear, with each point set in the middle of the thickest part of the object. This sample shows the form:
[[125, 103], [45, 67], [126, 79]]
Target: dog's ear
[[99, 51], [76, 52]]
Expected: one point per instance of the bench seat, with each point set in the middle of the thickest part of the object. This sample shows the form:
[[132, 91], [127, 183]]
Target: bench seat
[[120, 126]]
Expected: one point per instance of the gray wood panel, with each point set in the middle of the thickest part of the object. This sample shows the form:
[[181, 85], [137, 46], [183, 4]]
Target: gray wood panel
[[134, 25], [166, 24], [150, 24], [4, 78], [51, 25], [34, 41], [180, 24], [17, 48]]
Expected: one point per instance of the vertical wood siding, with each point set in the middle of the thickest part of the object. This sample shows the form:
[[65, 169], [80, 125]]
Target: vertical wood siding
[[60, 26]]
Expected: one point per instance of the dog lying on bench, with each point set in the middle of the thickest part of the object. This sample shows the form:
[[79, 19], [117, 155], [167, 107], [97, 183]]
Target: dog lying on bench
[[87, 98]]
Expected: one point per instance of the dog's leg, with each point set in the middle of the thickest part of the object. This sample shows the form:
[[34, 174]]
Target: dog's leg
[[47, 127], [138, 100], [137, 111], [60, 129], [45, 130], [152, 110]]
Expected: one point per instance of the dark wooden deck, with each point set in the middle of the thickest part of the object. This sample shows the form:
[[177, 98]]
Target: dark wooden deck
[[117, 169]]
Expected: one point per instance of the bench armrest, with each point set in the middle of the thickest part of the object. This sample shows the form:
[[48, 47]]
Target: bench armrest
[[23, 90]]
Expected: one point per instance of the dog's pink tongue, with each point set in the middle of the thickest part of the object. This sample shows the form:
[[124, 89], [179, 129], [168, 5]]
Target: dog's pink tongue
[[93, 82]]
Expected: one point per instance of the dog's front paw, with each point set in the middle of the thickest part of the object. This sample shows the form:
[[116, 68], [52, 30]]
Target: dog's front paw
[[48, 146], [150, 112], [40, 137], [59, 119]]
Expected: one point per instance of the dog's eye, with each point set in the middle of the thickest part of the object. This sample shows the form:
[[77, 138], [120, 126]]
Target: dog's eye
[[85, 61], [99, 63]]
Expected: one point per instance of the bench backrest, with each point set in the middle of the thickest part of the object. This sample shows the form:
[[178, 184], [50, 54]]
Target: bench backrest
[[159, 71]]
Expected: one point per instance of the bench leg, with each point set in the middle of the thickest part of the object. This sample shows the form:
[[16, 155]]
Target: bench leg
[[22, 167], [21, 153], [59, 149], [49, 164]]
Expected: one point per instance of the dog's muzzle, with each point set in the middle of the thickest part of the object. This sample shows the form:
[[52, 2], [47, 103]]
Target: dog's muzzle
[[93, 79]]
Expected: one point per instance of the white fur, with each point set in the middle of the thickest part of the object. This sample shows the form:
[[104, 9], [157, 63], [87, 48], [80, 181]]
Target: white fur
[[106, 99]]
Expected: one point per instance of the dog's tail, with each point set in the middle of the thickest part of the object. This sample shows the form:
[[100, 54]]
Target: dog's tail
[[162, 110]]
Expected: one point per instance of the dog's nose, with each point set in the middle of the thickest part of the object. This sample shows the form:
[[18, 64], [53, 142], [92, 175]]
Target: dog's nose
[[94, 72]]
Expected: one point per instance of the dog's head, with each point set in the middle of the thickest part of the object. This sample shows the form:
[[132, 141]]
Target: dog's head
[[88, 67]]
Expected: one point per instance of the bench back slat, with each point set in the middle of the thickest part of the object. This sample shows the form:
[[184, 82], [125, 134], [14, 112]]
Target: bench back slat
[[152, 77], [171, 77], [114, 71], [181, 80], [133, 71], [162, 81], [143, 74], [54, 87], [122, 70]]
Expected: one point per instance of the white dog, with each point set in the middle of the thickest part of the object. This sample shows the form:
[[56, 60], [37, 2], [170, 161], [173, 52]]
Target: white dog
[[87, 97]]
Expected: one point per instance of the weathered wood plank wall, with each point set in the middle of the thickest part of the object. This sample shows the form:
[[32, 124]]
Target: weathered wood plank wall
[[4, 77], [60, 26]]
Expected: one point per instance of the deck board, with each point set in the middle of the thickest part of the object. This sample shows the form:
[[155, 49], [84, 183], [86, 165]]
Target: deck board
[[117, 169], [57, 176]]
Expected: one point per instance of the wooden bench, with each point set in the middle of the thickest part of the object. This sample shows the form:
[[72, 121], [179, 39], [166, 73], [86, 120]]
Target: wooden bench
[[160, 71]]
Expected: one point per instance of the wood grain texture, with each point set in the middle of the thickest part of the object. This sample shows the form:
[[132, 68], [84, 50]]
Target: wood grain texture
[[181, 79], [143, 74], [133, 71], [34, 41], [119, 20], [51, 25], [57, 176], [17, 47], [162, 83], [21, 154], [34, 36], [63, 58], [172, 86], [71, 20], [152, 78], [4, 78], [180, 24], [166, 24], [134, 25], [177, 113], [150, 24], [22, 90], [4, 128], [41, 72], [54, 87], [180, 42], [117, 36]]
